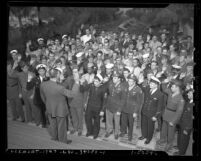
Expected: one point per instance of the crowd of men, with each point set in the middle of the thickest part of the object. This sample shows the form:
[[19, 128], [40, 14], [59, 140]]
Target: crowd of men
[[120, 77]]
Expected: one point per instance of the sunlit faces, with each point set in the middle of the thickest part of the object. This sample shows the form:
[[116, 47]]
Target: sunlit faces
[[130, 55], [41, 72], [131, 82], [51, 56], [57, 42], [154, 38], [97, 82], [135, 62], [76, 74], [154, 65], [174, 88], [126, 73], [153, 85], [165, 51], [25, 68], [115, 80]]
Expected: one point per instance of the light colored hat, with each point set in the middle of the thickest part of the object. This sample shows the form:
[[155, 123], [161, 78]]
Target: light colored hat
[[154, 79], [64, 36], [109, 66], [59, 69], [145, 55], [13, 51], [40, 39], [176, 66], [79, 54], [41, 66]]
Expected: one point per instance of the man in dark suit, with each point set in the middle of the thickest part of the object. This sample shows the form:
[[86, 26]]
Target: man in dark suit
[[34, 82], [54, 97], [153, 99]]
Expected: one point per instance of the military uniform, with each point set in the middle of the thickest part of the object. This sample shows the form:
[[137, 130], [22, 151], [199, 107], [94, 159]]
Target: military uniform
[[132, 105], [40, 108], [115, 100], [186, 123], [172, 114], [151, 108], [94, 106]]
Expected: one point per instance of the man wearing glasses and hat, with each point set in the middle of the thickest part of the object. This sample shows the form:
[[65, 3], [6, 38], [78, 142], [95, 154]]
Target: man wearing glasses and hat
[[153, 99], [172, 113], [35, 82]]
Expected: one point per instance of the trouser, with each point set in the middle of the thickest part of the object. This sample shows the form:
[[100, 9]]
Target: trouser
[[41, 117], [159, 121], [139, 119], [147, 127], [16, 108], [127, 120], [92, 119], [69, 123], [167, 133], [57, 128], [27, 107], [109, 122], [183, 140], [77, 117]]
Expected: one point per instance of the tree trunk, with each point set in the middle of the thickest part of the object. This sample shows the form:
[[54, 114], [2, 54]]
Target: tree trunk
[[39, 18]]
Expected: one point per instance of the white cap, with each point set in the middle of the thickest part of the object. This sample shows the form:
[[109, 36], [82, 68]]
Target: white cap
[[79, 54], [100, 77], [145, 55], [41, 66], [59, 69], [40, 39], [13, 51], [109, 66], [64, 36], [176, 66], [89, 65], [153, 78]]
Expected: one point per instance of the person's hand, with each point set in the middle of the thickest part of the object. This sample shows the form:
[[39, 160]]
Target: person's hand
[[171, 124], [153, 118], [30, 76], [118, 113], [182, 75], [185, 132], [20, 95], [134, 115], [101, 113], [31, 97], [15, 64]]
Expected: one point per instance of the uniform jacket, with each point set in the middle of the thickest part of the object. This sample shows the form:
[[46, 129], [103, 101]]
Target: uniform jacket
[[174, 108], [35, 83], [133, 100], [54, 97], [152, 105], [95, 98], [186, 121], [116, 97]]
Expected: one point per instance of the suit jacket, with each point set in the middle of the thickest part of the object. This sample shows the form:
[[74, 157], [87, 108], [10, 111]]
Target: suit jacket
[[152, 102], [54, 97]]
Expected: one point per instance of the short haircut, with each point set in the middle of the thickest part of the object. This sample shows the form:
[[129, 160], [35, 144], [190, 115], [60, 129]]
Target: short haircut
[[53, 73]]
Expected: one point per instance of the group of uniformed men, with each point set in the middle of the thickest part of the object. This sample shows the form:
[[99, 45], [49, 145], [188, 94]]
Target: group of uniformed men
[[122, 78]]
